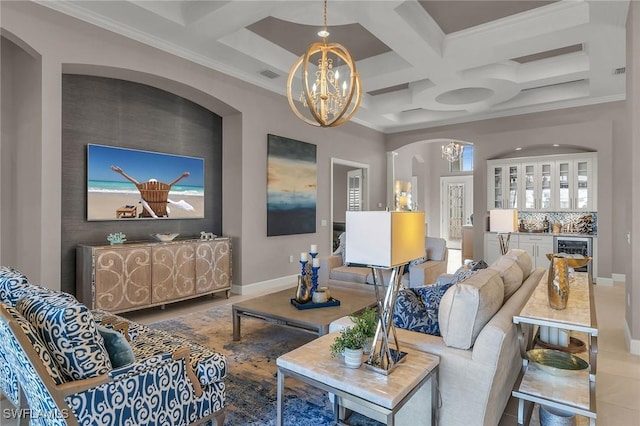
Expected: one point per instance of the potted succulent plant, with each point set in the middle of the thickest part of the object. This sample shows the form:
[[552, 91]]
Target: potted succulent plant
[[349, 343]]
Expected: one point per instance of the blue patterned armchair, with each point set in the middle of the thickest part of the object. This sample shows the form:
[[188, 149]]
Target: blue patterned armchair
[[55, 357]]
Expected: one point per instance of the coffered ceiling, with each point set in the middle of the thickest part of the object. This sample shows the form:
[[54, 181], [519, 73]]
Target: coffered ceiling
[[422, 63]]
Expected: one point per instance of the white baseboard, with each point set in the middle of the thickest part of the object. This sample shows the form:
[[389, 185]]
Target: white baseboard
[[275, 284], [619, 278], [604, 281], [634, 345]]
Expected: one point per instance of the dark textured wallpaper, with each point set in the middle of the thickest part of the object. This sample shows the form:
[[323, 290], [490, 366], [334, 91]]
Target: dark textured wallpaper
[[105, 111]]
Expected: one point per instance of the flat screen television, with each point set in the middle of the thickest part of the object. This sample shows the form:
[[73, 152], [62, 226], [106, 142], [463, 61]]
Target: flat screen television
[[129, 184]]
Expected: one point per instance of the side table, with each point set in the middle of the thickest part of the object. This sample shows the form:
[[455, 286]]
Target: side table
[[575, 393], [406, 396]]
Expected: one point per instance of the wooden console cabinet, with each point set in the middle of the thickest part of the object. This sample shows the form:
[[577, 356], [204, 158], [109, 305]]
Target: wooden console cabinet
[[120, 278]]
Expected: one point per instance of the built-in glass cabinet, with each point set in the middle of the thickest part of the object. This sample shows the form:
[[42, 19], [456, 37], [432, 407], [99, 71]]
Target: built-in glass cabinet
[[546, 183]]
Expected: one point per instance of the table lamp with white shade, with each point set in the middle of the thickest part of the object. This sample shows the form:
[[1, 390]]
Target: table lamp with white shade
[[504, 222], [385, 241]]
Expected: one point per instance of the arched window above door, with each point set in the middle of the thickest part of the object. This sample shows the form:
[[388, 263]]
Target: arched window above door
[[465, 162]]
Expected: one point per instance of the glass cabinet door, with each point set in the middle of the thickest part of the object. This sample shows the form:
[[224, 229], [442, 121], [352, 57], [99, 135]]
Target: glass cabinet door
[[530, 195], [497, 187], [583, 184], [575, 184], [563, 185], [546, 193], [537, 185], [513, 187]]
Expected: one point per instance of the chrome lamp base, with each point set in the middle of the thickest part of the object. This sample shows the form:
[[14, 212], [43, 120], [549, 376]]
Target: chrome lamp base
[[384, 358]]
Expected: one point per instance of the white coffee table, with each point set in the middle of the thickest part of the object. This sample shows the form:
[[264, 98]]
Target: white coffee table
[[406, 396]]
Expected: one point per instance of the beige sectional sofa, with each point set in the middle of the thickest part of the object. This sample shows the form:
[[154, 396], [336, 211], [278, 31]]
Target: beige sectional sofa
[[479, 348], [334, 272]]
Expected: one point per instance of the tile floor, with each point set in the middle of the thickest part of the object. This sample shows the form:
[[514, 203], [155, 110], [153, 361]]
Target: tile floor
[[618, 377]]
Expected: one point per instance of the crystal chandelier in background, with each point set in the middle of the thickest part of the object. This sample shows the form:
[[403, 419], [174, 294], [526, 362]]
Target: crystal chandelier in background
[[452, 151], [330, 83]]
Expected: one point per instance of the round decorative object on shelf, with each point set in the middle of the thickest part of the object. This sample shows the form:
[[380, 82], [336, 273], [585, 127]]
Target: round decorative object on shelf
[[557, 363], [550, 416], [319, 297]]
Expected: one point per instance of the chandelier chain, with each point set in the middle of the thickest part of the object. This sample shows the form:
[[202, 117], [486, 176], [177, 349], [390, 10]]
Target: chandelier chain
[[324, 15]]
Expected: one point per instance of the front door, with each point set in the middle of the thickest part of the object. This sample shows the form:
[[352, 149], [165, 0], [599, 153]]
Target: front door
[[456, 195]]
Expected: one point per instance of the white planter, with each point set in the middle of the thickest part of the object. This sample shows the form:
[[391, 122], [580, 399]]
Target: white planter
[[353, 358]]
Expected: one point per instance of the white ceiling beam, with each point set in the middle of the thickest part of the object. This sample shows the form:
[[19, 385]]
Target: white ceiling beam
[[251, 44], [545, 28]]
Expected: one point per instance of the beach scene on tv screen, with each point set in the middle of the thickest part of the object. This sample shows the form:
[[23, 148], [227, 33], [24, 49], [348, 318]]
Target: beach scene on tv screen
[[126, 184]]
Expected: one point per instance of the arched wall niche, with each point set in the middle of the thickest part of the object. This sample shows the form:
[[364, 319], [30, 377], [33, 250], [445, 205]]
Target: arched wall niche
[[177, 88], [20, 43], [541, 149], [172, 117], [423, 160]]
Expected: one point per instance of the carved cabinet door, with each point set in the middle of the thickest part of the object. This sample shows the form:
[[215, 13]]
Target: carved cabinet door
[[122, 278], [213, 265], [173, 272]]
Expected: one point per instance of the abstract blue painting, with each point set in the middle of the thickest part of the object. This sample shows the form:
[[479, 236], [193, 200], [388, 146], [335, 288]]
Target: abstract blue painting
[[291, 186]]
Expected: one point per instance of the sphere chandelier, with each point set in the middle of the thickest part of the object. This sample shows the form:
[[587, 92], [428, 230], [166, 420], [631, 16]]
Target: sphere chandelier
[[330, 92], [452, 151]]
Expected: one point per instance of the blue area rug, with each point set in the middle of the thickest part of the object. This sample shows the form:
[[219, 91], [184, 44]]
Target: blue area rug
[[251, 382]]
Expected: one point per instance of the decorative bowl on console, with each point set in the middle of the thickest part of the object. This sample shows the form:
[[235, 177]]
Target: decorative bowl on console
[[557, 363], [164, 238]]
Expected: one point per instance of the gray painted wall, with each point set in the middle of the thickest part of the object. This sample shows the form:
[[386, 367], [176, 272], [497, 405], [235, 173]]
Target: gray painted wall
[[601, 128], [21, 223], [591, 128], [106, 111], [249, 113], [628, 154]]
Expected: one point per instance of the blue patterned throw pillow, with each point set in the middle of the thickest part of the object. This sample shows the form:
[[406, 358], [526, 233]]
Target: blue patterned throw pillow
[[119, 350], [12, 284], [417, 308], [69, 332]]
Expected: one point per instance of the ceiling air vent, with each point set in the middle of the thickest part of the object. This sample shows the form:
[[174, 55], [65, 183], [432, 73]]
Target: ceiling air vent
[[619, 71], [269, 74]]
